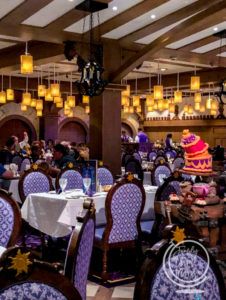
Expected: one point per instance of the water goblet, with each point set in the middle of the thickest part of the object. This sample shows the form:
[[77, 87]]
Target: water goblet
[[86, 183], [63, 184]]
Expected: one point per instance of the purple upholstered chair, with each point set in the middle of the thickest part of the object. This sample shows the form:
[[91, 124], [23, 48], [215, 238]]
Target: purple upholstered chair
[[104, 176], [80, 250], [178, 163], [137, 156], [34, 280], [152, 156], [124, 205], [154, 284], [34, 180], [24, 163], [74, 179], [10, 220], [159, 173], [170, 154]]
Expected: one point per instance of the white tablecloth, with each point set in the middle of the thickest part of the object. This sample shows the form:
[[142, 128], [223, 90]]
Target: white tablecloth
[[55, 214]]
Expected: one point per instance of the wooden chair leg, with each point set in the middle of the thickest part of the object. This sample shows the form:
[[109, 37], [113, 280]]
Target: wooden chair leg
[[104, 274]]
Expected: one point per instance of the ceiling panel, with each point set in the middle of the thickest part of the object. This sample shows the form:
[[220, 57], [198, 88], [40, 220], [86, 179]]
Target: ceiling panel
[[210, 46], [104, 15], [51, 12], [198, 36], [145, 19], [5, 44], [223, 54], [8, 5]]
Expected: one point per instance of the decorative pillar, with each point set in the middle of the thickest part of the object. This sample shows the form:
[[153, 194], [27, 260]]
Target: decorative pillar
[[105, 129]]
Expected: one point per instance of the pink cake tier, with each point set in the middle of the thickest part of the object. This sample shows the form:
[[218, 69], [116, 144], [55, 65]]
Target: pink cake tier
[[197, 158]]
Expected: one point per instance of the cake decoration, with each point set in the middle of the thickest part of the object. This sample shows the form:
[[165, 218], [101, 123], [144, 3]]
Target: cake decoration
[[197, 157]]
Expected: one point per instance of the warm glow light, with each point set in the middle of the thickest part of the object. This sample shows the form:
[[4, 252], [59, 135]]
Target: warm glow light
[[150, 108], [71, 101], [202, 108], [208, 103], [39, 104], [10, 94], [123, 100], [165, 104], [214, 105], [197, 106], [48, 95], [41, 90], [155, 105], [60, 104], [55, 89], [198, 98], [195, 83], [39, 113], [177, 96], [213, 112], [136, 100], [33, 102], [150, 101], [85, 99], [126, 92], [23, 107], [131, 109], [26, 99], [87, 109], [172, 107], [158, 92], [160, 104], [2, 97], [26, 62], [70, 115], [126, 109], [186, 108], [138, 109], [190, 110]]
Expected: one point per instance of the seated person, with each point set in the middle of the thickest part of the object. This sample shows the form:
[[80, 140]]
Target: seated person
[[36, 153], [7, 153], [83, 150], [5, 174]]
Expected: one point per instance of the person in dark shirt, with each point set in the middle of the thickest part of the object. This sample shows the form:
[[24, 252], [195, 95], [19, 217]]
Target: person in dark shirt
[[7, 153], [61, 156]]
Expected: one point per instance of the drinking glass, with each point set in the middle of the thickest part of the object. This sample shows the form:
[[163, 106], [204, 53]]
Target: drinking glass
[[63, 184], [86, 183]]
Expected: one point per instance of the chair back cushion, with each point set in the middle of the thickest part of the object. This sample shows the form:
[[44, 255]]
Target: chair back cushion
[[104, 176], [124, 209], [134, 167], [159, 174], [74, 179], [137, 156], [178, 163], [164, 288], [31, 290], [6, 222], [24, 163], [152, 156]]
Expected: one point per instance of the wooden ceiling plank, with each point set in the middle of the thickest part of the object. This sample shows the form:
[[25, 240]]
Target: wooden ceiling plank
[[164, 22], [126, 16], [199, 43], [185, 28], [24, 11]]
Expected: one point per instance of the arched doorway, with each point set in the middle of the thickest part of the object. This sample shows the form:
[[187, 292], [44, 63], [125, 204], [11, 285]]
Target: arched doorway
[[73, 131], [127, 129], [16, 125]]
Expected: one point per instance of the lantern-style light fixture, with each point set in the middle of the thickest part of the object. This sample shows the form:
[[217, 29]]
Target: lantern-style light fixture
[[39, 104], [178, 93], [71, 98], [60, 104], [136, 100], [125, 94], [23, 107], [202, 108], [197, 106], [39, 113], [150, 101], [2, 94], [48, 95], [186, 108], [26, 97], [195, 82], [214, 105], [10, 91], [41, 87], [198, 98], [158, 89], [131, 109], [87, 109], [55, 87], [26, 62], [190, 109], [33, 102], [150, 108], [85, 99], [138, 109]]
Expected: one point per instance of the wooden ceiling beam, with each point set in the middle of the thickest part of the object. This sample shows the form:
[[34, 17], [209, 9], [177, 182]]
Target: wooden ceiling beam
[[199, 43], [177, 33], [164, 22]]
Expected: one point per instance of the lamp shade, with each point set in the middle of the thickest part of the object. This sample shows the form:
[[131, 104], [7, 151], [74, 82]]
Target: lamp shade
[[55, 89], [165, 104], [39, 104], [198, 98], [48, 95], [155, 105], [60, 104], [150, 101], [41, 90], [195, 83], [150, 108], [190, 110], [26, 64], [123, 100], [138, 109], [10, 94], [160, 104], [131, 109], [85, 99], [2, 97], [71, 101], [208, 103], [177, 96], [126, 109], [213, 112], [214, 105], [70, 115], [23, 107], [136, 100], [126, 92], [57, 99], [202, 108], [87, 109], [197, 106], [39, 113], [158, 92], [33, 102], [186, 108], [26, 99], [171, 107]]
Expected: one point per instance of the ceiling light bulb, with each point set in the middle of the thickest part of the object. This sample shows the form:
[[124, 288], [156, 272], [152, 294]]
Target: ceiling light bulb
[[114, 8], [215, 29], [153, 16], [163, 69]]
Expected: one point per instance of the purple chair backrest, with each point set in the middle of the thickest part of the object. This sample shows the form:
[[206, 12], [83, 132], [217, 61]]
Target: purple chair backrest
[[178, 163], [126, 205], [36, 182], [160, 173], [104, 176], [173, 187], [84, 253], [195, 266], [6, 222], [137, 156], [170, 154], [24, 163], [74, 179], [31, 290], [152, 156], [17, 160]]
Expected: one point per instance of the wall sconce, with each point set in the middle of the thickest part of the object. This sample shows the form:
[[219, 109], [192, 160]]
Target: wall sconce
[[26, 62]]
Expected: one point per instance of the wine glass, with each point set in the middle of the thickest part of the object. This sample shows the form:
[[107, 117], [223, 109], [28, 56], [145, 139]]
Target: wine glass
[[63, 184], [86, 183]]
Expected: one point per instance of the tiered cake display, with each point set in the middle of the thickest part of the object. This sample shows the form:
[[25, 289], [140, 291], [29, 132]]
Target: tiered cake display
[[197, 158]]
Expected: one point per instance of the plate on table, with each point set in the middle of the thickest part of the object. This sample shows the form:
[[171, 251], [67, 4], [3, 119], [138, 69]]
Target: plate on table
[[2, 250], [99, 194], [150, 188]]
